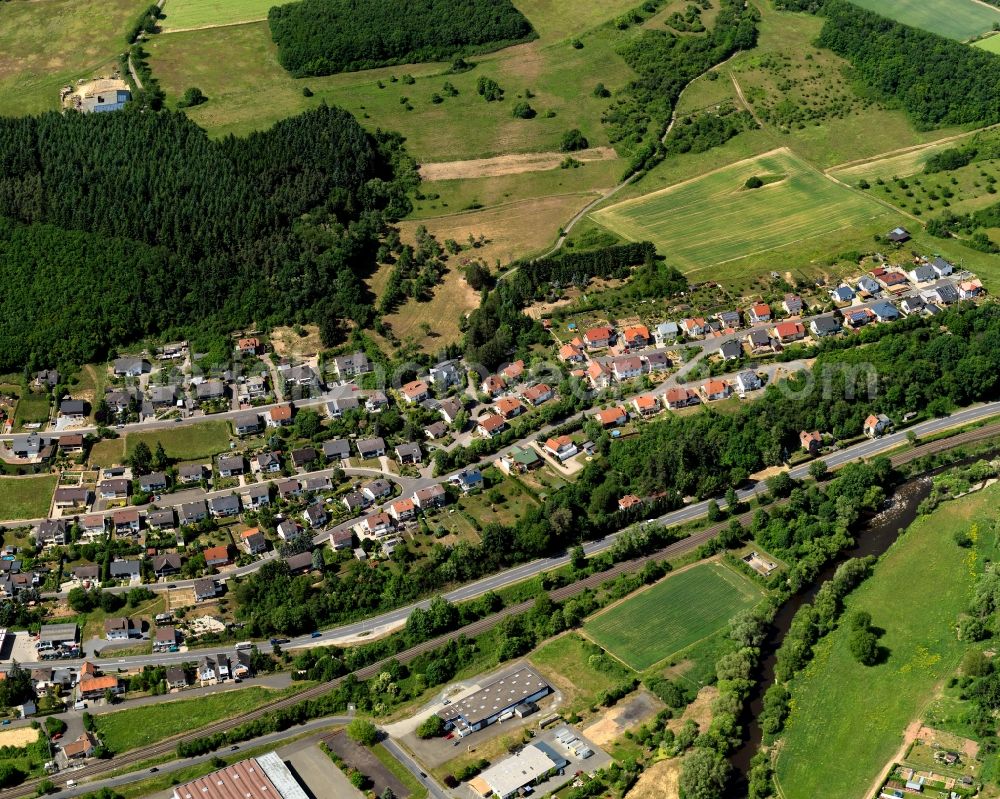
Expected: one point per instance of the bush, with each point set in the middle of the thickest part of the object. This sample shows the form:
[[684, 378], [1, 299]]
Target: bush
[[363, 731], [306, 91], [573, 140], [192, 97], [753, 182], [524, 111], [489, 89], [431, 727]]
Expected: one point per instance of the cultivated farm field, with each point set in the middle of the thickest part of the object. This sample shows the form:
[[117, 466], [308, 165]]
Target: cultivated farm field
[[858, 712], [956, 19], [673, 614], [990, 44], [192, 14], [800, 204]]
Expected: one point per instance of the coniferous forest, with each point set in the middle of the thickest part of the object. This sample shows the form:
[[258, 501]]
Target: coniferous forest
[[321, 37], [183, 231]]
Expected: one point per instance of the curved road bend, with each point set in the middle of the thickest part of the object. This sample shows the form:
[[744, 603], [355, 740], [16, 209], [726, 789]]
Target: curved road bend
[[673, 550]]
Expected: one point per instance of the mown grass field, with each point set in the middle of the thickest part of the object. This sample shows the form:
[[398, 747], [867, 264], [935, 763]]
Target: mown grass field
[[188, 14], [26, 497], [956, 19], [184, 442], [128, 729], [847, 720], [991, 44], [672, 615], [565, 661], [47, 44], [802, 205], [31, 407]]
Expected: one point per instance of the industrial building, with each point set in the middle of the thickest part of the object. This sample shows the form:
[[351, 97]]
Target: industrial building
[[495, 701], [531, 765], [262, 777]]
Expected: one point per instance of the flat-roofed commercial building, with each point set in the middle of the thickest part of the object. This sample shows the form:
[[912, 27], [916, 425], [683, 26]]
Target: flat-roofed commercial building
[[493, 700], [262, 777]]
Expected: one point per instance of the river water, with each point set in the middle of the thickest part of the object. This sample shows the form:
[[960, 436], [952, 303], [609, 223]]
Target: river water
[[873, 539]]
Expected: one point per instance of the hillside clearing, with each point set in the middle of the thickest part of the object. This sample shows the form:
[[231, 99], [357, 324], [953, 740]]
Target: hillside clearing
[[509, 164], [182, 15]]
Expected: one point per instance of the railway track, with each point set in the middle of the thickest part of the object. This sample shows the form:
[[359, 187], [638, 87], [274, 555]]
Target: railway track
[[677, 548]]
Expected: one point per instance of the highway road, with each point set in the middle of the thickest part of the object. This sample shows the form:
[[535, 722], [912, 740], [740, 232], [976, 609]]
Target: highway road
[[394, 619]]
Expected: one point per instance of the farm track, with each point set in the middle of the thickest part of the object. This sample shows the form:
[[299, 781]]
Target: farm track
[[678, 548]]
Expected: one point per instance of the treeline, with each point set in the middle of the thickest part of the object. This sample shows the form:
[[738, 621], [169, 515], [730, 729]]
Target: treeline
[[278, 226], [498, 326], [322, 37], [665, 64], [937, 81], [144, 23]]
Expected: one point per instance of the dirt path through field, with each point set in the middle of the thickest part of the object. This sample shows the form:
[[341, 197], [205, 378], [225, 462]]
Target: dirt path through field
[[514, 164]]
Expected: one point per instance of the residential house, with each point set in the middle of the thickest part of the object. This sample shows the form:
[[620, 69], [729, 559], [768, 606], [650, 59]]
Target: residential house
[[746, 381], [792, 304], [30, 446], [894, 281], [131, 367], [153, 482], [280, 416], [71, 497], [315, 515], [680, 397], [490, 425], [205, 589], [571, 353], [208, 671], [730, 350], [431, 497], [176, 678], [598, 375], [877, 425], [656, 361], [402, 509], [493, 386], [922, 274], [912, 305], [445, 374], [867, 285], [355, 501], [126, 521], [248, 346], [636, 336], [51, 532], [942, 294], [626, 368], [519, 460], [537, 394], [694, 327], [303, 457], [377, 489], [842, 294], [73, 409], [468, 479], [509, 407], [759, 340], [898, 235], [72, 444], [409, 453], [967, 289], [341, 539], [92, 527], [885, 311], [268, 462], [941, 267], [258, 496], [210, 391], [191, 473], [83, 747], [562, 448], [825, 326], [415, 391], [299, 563], [714, 390], [789, 331], [338, 407], [254, 388], [118, 629], [348, 366], [513, 372], [336, 449], [87, 573], [302, 378], [165, 638], [612, 417], [449, 408], [859, 317], [811, 441], [166, 565], [730, 319], [217, 556], [377, 524], [375, 401], [192, 512], [97, 688], [599, 337], [120, 401], [253, 541], [129, 570], [161, 519], [759, 312], [665, 333], [117, 488], [289, 530], [436, 430], [628, 502], [224, 507], [646, 405], [369, 448], [247, 424], [231, 465], [46, 379]]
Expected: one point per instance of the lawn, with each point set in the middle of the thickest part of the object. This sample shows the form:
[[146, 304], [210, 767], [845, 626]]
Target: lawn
[[129, 729], [185, 442], [107, 452], [248, 90], [858, 713], [47, 44], [802, 205], [956, 19], [673, 614], [188, 14], [565, 661], [26, 497], [31, 407]]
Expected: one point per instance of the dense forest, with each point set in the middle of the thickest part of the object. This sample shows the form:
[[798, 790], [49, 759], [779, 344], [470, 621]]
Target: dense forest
[[182, 230], [321, 37], [665, 64], [937, 81]]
